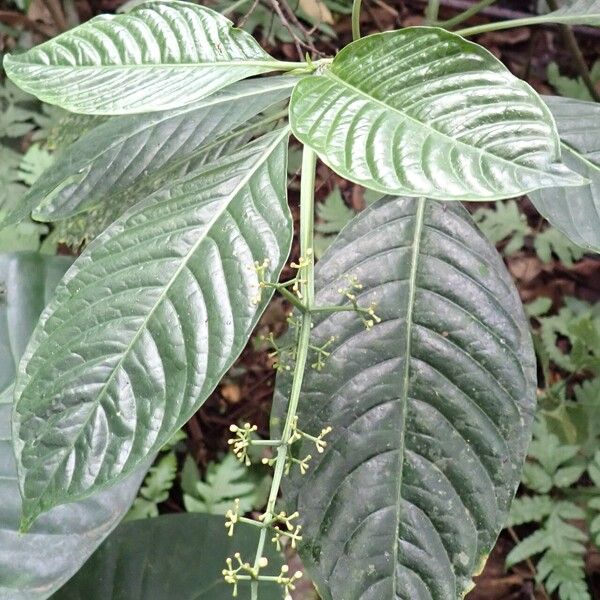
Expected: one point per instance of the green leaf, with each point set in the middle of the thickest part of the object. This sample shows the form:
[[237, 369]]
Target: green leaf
[[561, 567], [224, 482], [160, 55], [573, 88], [576, 211], [34, 162], [576, 12], [423, 112], [504, 222], [174, 556], [156, 488], [146, 323], [23, 237], [114, 156], [552, 241], [529, 509], [334, 213], [35, 564], [430, 410]]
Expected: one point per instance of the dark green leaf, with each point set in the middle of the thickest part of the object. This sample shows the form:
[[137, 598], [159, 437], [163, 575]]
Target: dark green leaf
[[178, 557], [430, 410], [35, 564], [423, 112], [160, 55], [146, 323], [112, 157]]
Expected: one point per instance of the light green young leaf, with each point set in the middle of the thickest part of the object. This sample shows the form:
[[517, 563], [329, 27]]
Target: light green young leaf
[[34, 162], [424, 112], [572, 88], [529, 509], [576, 211], [34, 564], [552, 241], [225, 482], [156, 488], [504, 222], [175, 298], [333, 213], [429, 426], [160, 55]]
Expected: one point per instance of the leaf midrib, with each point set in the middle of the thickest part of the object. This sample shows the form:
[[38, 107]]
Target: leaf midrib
[[167, 286], [412, 289], [273, 64], [405, 115]]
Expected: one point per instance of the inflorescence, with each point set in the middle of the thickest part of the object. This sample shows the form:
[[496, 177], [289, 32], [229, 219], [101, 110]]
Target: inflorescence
[[284, 528]]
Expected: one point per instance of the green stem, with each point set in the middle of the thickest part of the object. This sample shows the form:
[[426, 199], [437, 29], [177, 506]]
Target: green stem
[[291, 298], [234, 7], [467, 14], [307, 288], [356, 6], [433, 11], [525, 22]]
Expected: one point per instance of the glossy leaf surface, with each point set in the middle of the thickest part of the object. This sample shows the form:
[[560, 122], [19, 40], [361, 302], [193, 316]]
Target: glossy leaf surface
[[146, 323], [114, 156], [160, 55], [173, 556], [430, 410], [34, 564], [423, 112], [576, 211]]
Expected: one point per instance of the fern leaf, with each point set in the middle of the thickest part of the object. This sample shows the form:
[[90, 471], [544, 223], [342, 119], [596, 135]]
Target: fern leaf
[[530, 509]]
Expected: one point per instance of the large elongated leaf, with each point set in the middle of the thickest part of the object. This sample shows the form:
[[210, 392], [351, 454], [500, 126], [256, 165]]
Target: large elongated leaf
[[120, 152], [160, 55], [146, 323], [423, 112], [174, 556], [35, 564], [431, 409], [576, 211]]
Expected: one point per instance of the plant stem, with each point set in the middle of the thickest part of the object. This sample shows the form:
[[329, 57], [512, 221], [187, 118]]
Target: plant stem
[[356, 6], [467, 14], [233, 7], [513, 23], [307, 289], [432, 12]]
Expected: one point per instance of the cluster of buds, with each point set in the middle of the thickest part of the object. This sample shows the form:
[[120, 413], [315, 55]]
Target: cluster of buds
[[319, 441], [232, 517], [242, 441], [290, 461], [288, 582], [303, 263], [237, 570], [284, 356], [260, 268], [284, 527], [367, 315], [243, 572], [322, 354]]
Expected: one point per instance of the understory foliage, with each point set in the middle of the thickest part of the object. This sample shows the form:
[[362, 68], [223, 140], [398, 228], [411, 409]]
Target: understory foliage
[[406, 383], [561, 491]]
